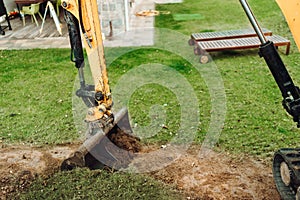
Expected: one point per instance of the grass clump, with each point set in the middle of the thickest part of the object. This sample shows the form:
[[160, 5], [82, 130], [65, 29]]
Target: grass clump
[[98, 184]]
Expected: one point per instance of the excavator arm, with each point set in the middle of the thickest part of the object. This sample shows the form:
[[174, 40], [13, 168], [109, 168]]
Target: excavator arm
[[100, 146], [267, 50], [286, 161], [88, 28]]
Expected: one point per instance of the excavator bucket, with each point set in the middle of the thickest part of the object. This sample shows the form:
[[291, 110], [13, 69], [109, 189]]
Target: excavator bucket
[[291, 10], [111, 146]]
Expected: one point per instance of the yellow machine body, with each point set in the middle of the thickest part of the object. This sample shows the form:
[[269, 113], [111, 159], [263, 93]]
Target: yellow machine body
[[291, 11]]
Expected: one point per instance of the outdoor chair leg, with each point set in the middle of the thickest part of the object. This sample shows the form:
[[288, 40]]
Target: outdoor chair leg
[[40, 16], [23, 19], [8, 22], [37, 24]]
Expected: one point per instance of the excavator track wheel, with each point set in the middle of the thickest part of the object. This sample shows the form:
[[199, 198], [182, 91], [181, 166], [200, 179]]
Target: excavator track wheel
[[298, 194], [286, 173]]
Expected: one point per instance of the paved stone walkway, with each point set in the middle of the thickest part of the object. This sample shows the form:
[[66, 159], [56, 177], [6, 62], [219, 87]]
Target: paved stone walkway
[[140, 34]]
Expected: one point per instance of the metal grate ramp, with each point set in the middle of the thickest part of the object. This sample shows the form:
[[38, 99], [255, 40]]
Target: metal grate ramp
[[241, 43], [229, 34]]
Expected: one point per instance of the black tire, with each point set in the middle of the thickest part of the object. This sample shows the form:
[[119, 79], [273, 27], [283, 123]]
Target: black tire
[[2, 33]]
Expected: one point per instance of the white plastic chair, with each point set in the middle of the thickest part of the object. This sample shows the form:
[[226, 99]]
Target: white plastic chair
[[31, 10]]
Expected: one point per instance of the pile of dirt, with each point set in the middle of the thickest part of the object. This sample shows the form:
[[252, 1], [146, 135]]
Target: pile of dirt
[[125, 141], [127, 145]]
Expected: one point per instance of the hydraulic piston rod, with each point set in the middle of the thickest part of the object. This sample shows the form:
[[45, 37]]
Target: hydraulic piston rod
[[253, 21]]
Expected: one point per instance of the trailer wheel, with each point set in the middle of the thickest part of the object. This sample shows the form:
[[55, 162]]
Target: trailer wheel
[[204, 59], [197, 51], [191, 42], [2, 33]]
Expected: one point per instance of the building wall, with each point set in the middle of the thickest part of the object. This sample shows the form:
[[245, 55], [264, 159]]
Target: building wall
[[112, 16]]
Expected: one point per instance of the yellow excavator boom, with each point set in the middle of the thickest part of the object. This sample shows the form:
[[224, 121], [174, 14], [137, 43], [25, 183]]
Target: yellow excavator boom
[[101, 145], [86, 11], [291, 11]]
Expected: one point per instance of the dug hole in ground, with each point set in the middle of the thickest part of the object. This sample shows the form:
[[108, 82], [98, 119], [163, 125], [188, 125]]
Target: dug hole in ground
[[215, 176]]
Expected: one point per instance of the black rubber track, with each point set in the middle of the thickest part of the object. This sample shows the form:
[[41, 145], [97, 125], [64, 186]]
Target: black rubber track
[[291, 156]]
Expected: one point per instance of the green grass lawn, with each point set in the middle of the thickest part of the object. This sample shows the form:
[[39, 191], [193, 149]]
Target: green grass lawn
[[36, 93], [35, 105], [256, 123], [98, 184]]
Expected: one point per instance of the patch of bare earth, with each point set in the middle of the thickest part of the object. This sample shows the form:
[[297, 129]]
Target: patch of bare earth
[[213, 176], [21, 164], [217, 176]]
